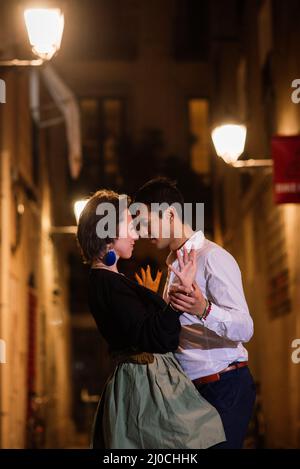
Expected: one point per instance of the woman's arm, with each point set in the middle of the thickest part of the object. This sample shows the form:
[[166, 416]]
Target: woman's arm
[[152, 328]]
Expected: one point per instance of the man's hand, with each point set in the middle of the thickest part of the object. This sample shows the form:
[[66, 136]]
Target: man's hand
[[147, 281], [188, 267], [182, 299]]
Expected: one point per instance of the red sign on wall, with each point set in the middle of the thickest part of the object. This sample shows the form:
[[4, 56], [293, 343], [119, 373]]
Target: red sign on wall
[[286, 158]]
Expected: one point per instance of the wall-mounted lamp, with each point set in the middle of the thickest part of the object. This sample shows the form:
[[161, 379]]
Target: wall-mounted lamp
[[45, 30], [229, 142]]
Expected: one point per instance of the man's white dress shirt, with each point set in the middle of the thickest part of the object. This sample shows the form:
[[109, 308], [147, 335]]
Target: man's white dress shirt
[[208, 346]]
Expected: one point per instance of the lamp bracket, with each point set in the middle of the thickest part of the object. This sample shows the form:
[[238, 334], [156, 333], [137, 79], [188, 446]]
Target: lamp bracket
[[251, 163], [21, 63]]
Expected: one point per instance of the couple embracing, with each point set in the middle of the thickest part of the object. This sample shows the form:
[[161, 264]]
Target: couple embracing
[[181, 379]]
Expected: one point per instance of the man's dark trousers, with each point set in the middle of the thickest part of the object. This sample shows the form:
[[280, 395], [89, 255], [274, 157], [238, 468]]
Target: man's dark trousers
[[233, 396]]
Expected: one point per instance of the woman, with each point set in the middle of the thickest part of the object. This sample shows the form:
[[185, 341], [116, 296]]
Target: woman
[[148, 402]]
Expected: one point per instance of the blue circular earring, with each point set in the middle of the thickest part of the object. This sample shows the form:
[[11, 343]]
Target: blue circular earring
[[110, 258]]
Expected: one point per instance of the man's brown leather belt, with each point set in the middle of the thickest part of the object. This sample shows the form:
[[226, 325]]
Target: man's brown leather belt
[[216, 376]]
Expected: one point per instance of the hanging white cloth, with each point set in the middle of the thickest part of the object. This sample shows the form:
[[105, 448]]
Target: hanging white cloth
[[65, 100]]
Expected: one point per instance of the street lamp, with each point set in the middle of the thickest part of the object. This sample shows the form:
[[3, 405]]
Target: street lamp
[[229, 142], [45, 29]]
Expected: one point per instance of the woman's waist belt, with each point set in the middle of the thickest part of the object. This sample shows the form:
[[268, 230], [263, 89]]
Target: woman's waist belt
[[140, 358]]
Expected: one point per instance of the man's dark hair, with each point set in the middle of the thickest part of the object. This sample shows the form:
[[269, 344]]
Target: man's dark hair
[[159, 190]]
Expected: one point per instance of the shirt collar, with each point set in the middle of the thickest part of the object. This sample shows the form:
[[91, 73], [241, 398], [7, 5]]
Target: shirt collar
[[196, 241]]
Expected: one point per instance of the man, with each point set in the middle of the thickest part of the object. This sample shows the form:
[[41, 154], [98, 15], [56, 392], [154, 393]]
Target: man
[[211, 350]]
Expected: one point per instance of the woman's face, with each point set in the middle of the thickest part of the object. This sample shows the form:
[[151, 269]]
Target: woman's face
[[124, 245]]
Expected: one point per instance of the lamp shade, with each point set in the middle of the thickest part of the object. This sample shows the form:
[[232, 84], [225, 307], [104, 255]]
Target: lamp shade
[[45, 29], [229, 141]]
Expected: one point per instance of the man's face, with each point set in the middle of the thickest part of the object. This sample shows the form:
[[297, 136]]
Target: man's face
[[158, 227]]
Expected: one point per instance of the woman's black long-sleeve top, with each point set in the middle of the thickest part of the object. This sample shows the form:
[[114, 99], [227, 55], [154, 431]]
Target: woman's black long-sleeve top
[[130, 316]]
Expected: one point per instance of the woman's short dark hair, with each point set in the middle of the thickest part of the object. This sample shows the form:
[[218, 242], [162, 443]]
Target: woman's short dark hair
[[92, 246]]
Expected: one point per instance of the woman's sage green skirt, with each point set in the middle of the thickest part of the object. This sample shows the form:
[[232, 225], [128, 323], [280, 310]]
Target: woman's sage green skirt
[[154, 406]]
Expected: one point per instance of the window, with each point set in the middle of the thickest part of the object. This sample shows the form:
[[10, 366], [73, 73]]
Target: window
[[112, 126], [102, 130], [198, 113]]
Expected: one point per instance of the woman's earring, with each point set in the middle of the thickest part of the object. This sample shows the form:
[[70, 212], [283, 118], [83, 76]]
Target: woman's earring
[[110, 258]]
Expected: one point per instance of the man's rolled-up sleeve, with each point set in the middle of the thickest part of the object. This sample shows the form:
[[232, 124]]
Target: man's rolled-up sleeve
[[229, 316]]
